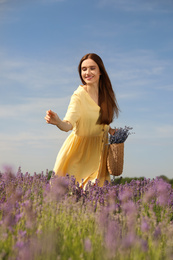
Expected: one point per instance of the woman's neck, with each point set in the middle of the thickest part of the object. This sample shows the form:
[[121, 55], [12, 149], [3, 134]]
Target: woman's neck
[[93, 91]]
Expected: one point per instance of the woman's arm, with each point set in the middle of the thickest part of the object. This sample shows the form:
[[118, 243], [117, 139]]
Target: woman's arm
[[52, 118]]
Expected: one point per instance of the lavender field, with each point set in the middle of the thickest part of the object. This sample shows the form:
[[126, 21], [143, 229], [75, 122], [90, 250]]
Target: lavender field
[[130, 221]]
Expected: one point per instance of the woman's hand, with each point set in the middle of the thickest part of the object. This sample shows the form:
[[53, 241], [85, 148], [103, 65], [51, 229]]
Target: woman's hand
[[111, 131], [52, 118]]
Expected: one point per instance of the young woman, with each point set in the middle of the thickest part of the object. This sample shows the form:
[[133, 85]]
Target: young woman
[[90, 112]]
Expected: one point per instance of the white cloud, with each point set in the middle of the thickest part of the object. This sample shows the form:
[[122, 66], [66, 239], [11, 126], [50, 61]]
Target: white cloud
[[153, 134], [138, 72], [4, 8], [34, 74], [33, 107], [8, 8], [140, 59], [31, 137], [50, 1], [166, 87], [3, 1], [129, 95], [140, 5], [33, 149], [165, 131]]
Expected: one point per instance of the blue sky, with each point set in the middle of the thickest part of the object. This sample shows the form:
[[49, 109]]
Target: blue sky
[[41, 43]]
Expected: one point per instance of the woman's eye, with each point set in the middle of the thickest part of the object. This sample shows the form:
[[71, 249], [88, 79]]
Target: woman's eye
[[85, 69]]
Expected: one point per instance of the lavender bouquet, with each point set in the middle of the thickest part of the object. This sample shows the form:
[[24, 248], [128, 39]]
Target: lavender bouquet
[[120, 135]]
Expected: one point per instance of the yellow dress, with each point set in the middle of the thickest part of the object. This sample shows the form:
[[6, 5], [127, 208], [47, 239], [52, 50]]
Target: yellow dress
[[84, 152]]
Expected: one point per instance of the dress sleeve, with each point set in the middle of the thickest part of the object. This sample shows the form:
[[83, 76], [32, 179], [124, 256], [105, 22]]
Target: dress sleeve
[[73, 111]]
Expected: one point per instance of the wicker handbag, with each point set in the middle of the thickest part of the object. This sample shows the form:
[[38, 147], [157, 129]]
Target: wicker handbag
[[115, 159]]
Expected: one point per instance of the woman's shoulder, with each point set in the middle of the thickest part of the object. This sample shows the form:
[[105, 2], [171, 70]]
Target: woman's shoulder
[[79, 91]]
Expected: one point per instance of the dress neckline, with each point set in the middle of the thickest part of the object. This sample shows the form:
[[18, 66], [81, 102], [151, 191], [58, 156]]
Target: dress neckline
[[89, 96]]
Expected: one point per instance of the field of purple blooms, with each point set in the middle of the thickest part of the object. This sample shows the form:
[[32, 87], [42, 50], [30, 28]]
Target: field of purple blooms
[[63, 221]]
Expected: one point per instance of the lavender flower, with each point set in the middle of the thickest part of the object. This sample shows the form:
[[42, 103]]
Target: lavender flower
[[87, 245], [120, 135], [145, 225], [130, 240], [65, 221]]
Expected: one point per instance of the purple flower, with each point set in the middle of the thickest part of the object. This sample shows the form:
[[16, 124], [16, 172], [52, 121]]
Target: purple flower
[[18, 217], [22, 233], [19, 244], [125, 194], [144, 245], [157, 232], [59, 187], [144, 225], [163, 192], [120, 135], [129, 208], [129, 240], [87, 245], [112, 236], [149, 195]]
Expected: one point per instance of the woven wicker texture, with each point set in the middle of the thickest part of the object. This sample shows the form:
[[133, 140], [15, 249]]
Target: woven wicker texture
[[115, 159]]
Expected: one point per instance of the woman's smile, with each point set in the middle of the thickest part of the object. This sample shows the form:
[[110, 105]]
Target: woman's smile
[[88, 77]]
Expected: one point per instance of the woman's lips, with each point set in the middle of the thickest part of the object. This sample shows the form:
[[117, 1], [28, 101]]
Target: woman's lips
[[89, 78]]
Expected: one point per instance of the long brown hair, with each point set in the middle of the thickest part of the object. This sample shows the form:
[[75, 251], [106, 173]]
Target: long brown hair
[[107, 99]]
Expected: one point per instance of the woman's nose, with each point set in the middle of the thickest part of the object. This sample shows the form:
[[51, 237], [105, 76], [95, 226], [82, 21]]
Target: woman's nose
[[88, 71]]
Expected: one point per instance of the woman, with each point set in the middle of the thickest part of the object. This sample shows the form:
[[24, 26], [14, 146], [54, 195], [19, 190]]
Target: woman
[[91, 110]]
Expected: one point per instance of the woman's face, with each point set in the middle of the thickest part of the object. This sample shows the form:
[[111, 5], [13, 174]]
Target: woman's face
[[90, 72]]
